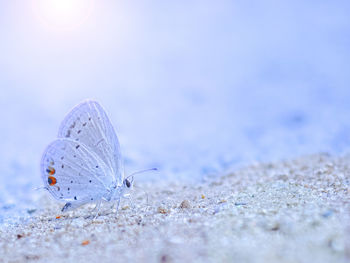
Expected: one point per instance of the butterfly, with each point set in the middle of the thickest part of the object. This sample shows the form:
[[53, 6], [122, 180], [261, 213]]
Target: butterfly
[[84, 163]]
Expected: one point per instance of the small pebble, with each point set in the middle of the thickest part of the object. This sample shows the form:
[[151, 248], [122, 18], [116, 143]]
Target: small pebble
[[185, 204], [31, 211], [238, 203], [85, 242], [327, 214], [164, 259], [275, 227], [161, 210]]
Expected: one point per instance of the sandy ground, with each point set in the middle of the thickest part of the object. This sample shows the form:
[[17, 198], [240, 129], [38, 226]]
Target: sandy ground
[[292, 211]]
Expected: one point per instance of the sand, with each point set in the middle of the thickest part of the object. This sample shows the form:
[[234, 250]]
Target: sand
[[290, 211]]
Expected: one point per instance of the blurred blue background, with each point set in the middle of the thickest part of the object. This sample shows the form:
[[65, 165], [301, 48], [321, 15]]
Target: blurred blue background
[[195, 88]]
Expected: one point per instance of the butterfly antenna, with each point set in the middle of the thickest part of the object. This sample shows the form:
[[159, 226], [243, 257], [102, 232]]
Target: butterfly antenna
[[142, 171], [41, 188]]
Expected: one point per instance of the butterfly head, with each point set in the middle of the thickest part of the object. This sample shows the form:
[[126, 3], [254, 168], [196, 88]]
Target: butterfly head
[[128, 182], [128, 185]]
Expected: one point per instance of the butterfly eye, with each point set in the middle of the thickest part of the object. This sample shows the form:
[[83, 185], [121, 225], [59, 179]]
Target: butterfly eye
[[128, 184]]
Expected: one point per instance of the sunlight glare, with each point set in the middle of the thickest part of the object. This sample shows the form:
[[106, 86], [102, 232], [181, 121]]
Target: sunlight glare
[[63, 14]]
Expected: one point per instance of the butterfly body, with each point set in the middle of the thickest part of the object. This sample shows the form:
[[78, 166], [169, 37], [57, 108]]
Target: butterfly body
[[84, 163]]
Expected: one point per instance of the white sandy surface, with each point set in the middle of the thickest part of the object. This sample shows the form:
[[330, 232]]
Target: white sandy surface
[[292, 211]]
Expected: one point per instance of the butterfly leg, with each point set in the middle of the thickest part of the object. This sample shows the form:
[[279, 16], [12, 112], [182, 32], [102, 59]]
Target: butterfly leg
[[71, 205], [98, 206], [147, 201], [118, 203], [131, 201], [41, 187]]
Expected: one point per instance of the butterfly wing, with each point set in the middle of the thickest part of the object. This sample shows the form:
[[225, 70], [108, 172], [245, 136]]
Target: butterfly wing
[[72, 173], [89, 124]]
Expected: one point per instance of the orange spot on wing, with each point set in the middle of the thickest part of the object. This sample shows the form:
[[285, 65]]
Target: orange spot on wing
[[58, 217], [52, 180], [50, 170]]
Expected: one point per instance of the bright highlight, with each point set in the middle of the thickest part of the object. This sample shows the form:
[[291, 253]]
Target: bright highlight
[[63, 14]]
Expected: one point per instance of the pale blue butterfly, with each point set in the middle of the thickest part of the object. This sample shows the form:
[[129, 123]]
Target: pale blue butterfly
[[84, 163]]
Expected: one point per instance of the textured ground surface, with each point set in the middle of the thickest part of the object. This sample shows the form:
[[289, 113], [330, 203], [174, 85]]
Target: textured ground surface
[[293, 211]]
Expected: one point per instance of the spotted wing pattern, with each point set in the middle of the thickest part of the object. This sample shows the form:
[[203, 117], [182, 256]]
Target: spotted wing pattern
[[72, 173], [89, 125]]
